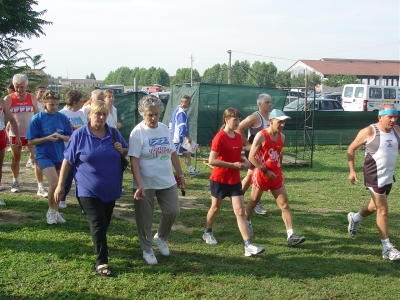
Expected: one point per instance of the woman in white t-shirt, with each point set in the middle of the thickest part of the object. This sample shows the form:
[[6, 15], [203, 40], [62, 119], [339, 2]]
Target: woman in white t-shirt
[[112, 116], [152, 154]]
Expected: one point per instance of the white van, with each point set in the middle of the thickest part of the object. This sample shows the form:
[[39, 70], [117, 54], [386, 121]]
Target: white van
[[365, 97]]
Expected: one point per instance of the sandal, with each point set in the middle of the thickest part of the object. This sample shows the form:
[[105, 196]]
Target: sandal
[[104, 270]]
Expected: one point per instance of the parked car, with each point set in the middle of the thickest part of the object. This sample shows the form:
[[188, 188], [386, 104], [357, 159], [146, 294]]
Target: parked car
[[320, 104], [335, 95], [163, 96]]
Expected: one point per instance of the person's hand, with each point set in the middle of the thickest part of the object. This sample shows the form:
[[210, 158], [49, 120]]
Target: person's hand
[[189, 139], [353, 177], [53, 137], [118, 147], [248, 147], [247, 164], [139, 193], [238, 166], [18, 143], [269, 174], [59, 193], [183, 183], [118, 125]]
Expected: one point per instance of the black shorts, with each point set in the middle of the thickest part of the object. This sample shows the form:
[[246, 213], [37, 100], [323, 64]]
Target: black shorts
[[384, 190], [222, 190]]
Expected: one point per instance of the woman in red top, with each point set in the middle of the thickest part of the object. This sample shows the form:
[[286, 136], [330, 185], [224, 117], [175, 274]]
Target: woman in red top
[[225, 157]]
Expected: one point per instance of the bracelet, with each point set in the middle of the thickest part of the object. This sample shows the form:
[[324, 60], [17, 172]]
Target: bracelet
[[181, 176], [264, 170]]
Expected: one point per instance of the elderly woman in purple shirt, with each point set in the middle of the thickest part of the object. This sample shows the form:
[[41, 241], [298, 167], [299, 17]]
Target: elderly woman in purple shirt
[[95, 158]]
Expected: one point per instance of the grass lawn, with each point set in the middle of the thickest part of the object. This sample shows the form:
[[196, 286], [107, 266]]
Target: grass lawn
[[39, 261]]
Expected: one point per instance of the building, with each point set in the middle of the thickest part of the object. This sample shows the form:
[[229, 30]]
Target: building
[[76, 83], [379, 72]]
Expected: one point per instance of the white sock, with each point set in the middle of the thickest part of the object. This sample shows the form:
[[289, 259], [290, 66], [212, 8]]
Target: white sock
[[386, 244], [15, 180], [357, 217], [289, 233], [40, 185], [190, 168]]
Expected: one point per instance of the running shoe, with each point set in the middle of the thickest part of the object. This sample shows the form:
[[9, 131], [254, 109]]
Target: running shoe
[[259, 209], [352, 228], [209, 238], [252, 250], [295, 239]]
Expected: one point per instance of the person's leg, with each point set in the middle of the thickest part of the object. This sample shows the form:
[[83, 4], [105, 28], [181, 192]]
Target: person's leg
[[108, 211], [255, 197], [96, 216], [379, 202], [144, 210], [52, 178], [212, 212], [188, 159], [246, 182], [67, 188], [38, 172], [238, 209], [169, 204], [2, 153], [16, 158], [283, 203]]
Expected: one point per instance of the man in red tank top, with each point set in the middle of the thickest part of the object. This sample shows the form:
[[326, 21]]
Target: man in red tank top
[[266, 156], [23, 106]]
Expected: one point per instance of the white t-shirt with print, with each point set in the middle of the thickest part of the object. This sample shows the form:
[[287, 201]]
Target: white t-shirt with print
[[153, 147]]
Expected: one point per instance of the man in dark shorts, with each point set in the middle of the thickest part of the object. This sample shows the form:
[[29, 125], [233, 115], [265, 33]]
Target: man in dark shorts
[[382, 144]]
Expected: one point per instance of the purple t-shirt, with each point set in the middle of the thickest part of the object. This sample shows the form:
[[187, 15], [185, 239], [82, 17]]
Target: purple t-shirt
[[96, 164]]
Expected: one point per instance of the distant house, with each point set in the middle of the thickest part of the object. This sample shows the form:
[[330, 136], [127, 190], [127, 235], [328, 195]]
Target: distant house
[[380, 72], [80, 82], [35, 72]]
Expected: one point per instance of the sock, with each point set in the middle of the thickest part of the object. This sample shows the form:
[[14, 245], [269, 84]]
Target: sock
[[40, 185], [15, 180], [386, 244], [247, 243], [357, 217], [190, 168], [208, 230], [289, 232]]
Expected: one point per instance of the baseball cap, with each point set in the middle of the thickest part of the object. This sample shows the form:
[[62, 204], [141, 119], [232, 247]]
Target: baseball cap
[[278, 114]]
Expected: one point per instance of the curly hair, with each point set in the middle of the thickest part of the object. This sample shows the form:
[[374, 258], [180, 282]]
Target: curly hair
[[149, 101], [50, 95]]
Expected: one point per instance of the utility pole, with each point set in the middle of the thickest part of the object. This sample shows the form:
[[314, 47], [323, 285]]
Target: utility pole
[[229, 66], [191, 70]]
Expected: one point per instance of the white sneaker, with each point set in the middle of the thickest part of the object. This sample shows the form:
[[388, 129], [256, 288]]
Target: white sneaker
[[2, 202], [352, 228], [208, 237], [59, 218], [62, 204], [252, 250], [195, 173], [42, 192], [15, 187], [162, 245], [391, 253], [51, 217], [30, 164], [259, 209], [149, 257]]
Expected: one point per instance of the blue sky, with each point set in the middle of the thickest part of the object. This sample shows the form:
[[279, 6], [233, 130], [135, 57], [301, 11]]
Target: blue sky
[[100, 36]]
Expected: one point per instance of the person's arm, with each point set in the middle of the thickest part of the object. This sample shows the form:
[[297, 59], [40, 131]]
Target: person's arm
[[50, 138], [255, 147], [12, 122], [178, 168], [181, 120], [139, 193], [59, 191], [361, 139], [397, 128], [215, 162], [250, 121], [34, 102]]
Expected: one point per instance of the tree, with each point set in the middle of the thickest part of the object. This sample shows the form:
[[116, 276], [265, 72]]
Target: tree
[[17, 20], [210, 75], [183, 76], [282, 79], [299, 81], [262, 74], [92, 76], [339, 80], [35, 60]]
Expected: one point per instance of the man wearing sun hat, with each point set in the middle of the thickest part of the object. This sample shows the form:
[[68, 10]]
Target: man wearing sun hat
[[382, 144], [266, 156]]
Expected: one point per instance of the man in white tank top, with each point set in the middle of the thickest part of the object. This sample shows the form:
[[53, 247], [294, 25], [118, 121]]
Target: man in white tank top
[[382, 144], [255, 123]]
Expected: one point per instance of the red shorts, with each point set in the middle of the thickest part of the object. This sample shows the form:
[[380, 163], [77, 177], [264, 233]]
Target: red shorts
[[261, 181], [24, 141], [3, 139]]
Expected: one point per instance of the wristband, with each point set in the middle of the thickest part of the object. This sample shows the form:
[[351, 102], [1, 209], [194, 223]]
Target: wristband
[[264, 170]]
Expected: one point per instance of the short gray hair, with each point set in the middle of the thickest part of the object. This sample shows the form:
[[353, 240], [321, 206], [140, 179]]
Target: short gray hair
[[20, 78], [96, 92], [149, 101], [261, 98]]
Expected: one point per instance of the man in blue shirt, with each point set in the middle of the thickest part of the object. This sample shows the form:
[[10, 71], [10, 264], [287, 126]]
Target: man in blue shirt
[[179, 127]]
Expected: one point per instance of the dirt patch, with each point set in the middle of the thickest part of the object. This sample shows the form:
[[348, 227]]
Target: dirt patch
[[11, 216]]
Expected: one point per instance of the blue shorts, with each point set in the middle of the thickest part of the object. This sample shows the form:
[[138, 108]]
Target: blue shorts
[[222, 190], [47, 163], [180, 149]]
